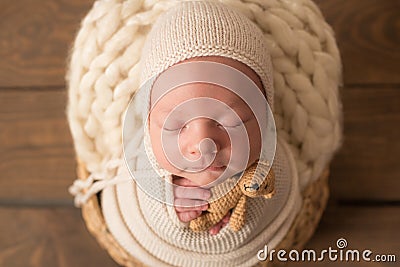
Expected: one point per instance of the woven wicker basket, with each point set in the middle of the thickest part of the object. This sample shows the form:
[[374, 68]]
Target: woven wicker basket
[[299, 19]]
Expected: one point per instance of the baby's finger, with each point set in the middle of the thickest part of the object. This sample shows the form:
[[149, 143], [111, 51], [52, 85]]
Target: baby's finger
[[183, 182], [188, 216], [192, 193], [184, 204]]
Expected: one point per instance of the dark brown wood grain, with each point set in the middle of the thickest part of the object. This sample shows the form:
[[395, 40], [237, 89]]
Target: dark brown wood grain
[[368, 36], [39, 237], [35, 38], [36, 154], [367, 167], [373, 228]]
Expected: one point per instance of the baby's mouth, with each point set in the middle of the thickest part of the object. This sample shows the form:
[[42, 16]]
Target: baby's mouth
[[216, 168], [212, 167]]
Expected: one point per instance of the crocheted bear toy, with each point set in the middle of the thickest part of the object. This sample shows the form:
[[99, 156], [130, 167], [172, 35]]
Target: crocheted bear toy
[[236, 198]]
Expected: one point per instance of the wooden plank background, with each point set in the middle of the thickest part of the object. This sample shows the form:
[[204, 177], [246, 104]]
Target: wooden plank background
[[37, 157], [368, 37], [35, 37]]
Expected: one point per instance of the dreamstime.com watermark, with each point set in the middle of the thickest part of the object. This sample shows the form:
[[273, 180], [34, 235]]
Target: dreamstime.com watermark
[[332, 254]]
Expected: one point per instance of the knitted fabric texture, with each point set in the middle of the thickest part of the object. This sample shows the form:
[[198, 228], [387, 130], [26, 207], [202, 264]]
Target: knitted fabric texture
[[148, 230], [202, 28]]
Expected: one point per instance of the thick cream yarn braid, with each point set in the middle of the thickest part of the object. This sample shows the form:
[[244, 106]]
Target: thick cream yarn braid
[[104, 74]]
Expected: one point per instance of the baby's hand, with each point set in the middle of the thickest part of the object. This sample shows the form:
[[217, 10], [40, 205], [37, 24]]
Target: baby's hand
[[191, 202]]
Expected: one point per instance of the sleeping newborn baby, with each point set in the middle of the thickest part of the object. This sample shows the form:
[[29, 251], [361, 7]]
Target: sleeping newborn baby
[[200, 121]]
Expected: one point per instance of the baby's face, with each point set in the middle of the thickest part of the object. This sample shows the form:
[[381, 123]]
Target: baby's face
[[190, 134]]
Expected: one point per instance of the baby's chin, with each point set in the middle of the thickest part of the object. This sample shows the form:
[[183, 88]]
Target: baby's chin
[[204, 178]]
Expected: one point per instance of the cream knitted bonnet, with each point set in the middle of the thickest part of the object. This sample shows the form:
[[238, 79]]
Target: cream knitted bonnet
[[205, 28]]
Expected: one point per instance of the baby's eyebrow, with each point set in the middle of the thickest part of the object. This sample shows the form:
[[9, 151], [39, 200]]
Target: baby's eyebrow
[[167, 110], [233, 104]]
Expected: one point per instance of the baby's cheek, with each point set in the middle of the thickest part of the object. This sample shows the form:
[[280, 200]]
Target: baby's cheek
[[255, 140], [158, 146], [155, 138]]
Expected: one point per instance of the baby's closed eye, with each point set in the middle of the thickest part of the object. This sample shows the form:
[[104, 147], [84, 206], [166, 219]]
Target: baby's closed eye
[[173, 126], [224, 121], [232, 121]]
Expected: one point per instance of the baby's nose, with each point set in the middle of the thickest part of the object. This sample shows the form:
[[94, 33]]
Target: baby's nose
[[207, 146], [202, 136]]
